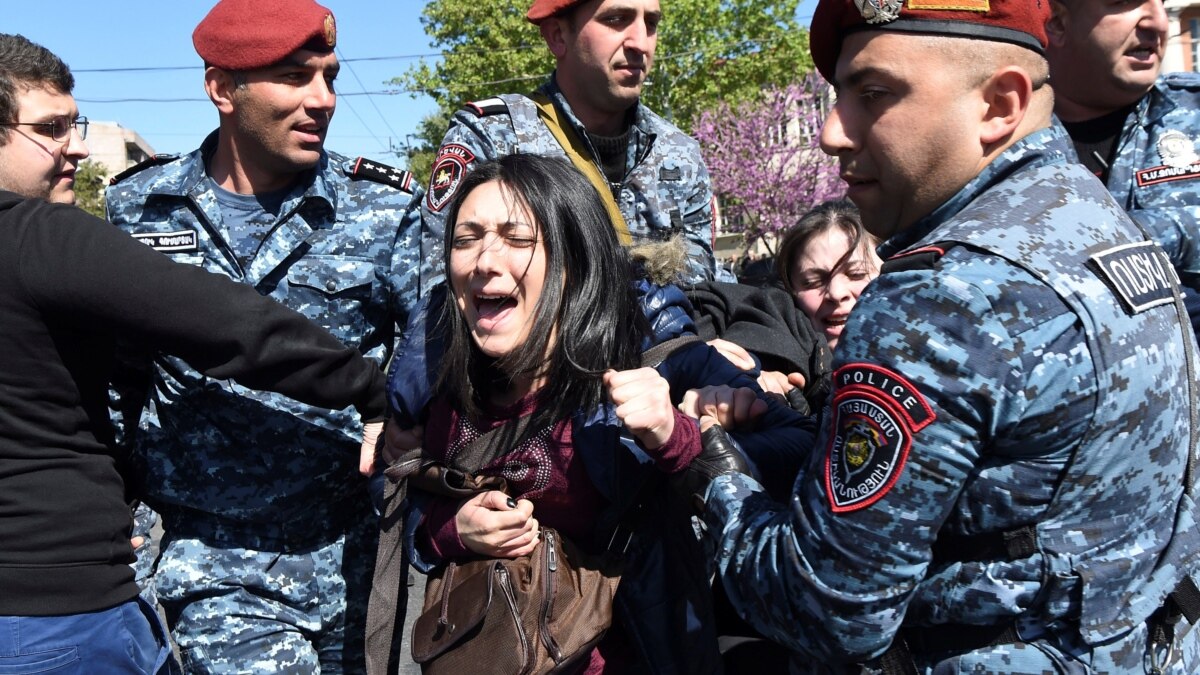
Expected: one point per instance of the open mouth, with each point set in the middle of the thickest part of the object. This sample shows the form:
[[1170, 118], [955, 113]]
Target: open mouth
[[492, 306], [311, 132], [1143, 53]]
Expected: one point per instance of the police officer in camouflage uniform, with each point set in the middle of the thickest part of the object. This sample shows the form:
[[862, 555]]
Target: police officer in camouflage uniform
[[1001, 483], [604, 50], [270, 537], [1136, 130]]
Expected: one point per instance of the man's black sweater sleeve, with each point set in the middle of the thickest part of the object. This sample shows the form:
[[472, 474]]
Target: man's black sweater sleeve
[[72, 264]]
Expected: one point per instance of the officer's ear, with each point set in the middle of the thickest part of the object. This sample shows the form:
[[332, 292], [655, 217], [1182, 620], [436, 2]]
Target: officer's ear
[[556, 31], [1007, 95], [1056, 27], [220, 84]]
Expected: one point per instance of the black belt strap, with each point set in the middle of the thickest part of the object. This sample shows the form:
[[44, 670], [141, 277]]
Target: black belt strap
[[1186, 598], [1015, 544], [898, 659]]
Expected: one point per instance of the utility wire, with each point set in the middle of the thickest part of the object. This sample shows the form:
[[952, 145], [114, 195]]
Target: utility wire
[[342, 59], [340, 94], [400, 57], [448, 87]]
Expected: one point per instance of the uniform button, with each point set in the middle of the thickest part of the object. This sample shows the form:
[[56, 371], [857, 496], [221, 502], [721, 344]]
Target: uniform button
[[331, 285]]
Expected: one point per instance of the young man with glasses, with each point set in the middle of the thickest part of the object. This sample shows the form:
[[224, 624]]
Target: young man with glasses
[[71, 288], [41, 132], [270, 536]]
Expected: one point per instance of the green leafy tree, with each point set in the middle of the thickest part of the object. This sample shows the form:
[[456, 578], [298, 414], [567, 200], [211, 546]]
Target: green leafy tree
[[708, 51], [429, 134], [90, 178]]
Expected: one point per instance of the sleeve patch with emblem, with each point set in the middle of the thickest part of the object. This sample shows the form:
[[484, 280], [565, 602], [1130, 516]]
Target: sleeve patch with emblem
[[876, 413], [448, 171]]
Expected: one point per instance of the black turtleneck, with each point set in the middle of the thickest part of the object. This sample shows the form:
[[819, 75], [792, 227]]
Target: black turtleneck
[[1096, 139]]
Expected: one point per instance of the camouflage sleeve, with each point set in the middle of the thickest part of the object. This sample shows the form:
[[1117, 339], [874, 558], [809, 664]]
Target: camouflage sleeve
[[698, 228], [144, 520], [470, 139], [1175, 229], [406, 274], [926, 372], [105, 278]]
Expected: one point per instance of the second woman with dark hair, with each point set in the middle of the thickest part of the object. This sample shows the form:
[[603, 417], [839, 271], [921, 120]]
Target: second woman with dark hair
[[543, 319], [825, 261]]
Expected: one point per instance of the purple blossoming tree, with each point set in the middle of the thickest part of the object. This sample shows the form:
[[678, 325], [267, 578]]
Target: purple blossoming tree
[[765, 159]]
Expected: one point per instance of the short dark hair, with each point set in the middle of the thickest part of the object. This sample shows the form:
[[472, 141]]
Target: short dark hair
[[25, 64], [841, 213], [593, 316]]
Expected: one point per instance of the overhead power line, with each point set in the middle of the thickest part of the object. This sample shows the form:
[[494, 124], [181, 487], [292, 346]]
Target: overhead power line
[[447, 86], [341, 58], [399, 57], [340, 94]]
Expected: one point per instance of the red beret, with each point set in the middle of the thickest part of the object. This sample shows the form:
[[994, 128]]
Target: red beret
[[249, 34], [543, 9], [1020, 22]]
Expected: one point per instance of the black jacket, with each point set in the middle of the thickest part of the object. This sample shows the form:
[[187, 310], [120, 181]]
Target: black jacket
[[765, 321], [71, 285]]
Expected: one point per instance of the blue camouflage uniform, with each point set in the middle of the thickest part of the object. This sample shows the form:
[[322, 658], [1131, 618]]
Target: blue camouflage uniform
[[1155, 172], [666, 190], [998, 476], [255, 487]]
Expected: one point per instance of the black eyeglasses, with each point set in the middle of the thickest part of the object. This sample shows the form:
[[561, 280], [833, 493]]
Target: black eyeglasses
[[58, 128]]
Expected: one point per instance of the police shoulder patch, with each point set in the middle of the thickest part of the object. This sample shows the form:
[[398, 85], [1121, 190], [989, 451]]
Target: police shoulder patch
[[364, 168], [156, 160], [876, 413], [488, 106], [448, 171], [1139, 274]]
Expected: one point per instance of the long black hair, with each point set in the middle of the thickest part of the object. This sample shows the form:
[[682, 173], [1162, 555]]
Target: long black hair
[[589, 322]]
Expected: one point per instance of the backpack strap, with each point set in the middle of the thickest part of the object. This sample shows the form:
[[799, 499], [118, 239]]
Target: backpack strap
[[580, 157]]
